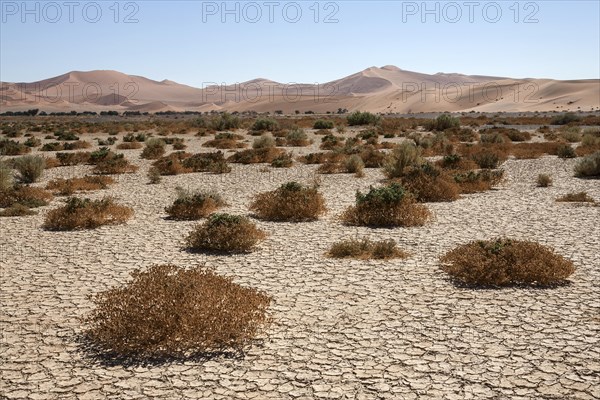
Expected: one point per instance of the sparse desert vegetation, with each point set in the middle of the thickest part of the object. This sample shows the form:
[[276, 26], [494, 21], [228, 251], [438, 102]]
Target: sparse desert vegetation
[[504, 262], [365, 249], [291, 202], [169, 311], [225, 233], [328, 271], [84, 213], [386, 206], [194, 205]]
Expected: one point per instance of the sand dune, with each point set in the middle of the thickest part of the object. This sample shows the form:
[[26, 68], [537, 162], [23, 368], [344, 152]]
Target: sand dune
[[388, 89]]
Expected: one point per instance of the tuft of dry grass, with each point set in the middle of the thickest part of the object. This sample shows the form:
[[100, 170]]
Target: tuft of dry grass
[[129, 146], [386, 206], [478, 181], [66, 187], [194, 205], [169, 311], [366, 249], [505, 262], [291, 202], [27, 196], [544, 180], [581, 197], [255, 156], [154, 149], [114, 164], [589, 166], [225, 233], [17, 210], [86, 214]]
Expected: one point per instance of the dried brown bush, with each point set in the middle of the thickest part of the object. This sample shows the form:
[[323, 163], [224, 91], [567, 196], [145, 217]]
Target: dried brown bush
[[430, 184], [207, 162], [66, 187], [76, 158], [194, 205], [25, 195], [290, 202], [17, 210], [581, 197], [386, 206], [168, 311], [86, 214], [114, 164], [254, 156], [129, 146], [366, 249], [154, 149], [504, 262], [225, 233], [544, 180], [534, 150], [486, 155], [478, 181]]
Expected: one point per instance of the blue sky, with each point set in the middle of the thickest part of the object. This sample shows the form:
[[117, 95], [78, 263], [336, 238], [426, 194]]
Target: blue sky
[[188, 41]]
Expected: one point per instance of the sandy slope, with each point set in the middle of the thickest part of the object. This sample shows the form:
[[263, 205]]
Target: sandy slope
[[386, 89]]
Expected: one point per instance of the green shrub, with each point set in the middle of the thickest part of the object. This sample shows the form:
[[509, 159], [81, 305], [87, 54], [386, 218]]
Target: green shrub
[[566, 151], [505, 262], [30, 168], [565, 119], [154, 176], [33, 142], [193, 206], [12, 148], [589, 166], [168, 311], [362, 118], [323, 124], [265, 124], [297, 137], [225, 233], [442, 122], [265, 141], [354, 165], [403, 156], [225, 122], [291, 202], [282, 161], [386, 206], [155, 148]]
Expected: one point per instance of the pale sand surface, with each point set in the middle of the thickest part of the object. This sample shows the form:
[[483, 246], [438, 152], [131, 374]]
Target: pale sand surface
[[342, 329]]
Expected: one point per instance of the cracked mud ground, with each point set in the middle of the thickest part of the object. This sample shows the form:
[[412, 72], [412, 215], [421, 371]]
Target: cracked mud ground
[[342, 329]]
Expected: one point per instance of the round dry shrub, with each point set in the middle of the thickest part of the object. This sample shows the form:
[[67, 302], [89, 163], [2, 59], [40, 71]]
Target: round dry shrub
[[505, 262], [86, 214], [386, 206], [366, 249], [154, 149], [27, 196], [589, 167], [169, 311], [193, 206], [225, 233], [291, 202], [430, 184]]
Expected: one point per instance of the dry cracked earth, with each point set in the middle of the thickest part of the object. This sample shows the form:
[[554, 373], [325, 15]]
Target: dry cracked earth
[[342, 329]]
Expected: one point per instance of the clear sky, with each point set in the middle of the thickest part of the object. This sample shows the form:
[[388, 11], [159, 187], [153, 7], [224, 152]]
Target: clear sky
[[192, 42]]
